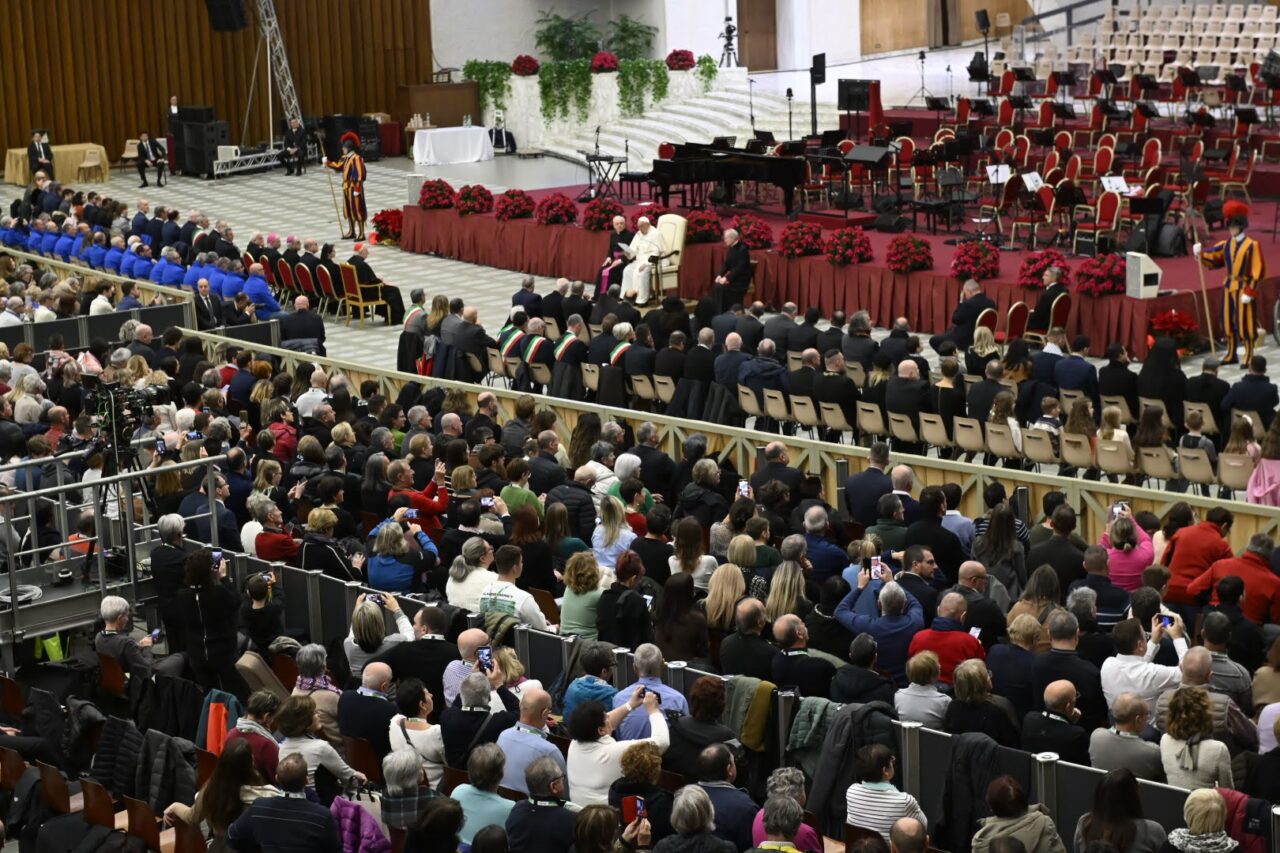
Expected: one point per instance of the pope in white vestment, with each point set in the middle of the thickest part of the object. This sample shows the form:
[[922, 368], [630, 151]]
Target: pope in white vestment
[[638, 275]]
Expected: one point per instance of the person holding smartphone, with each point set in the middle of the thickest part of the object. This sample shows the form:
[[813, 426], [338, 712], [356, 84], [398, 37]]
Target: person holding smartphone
[[207, 607], [116, 640]]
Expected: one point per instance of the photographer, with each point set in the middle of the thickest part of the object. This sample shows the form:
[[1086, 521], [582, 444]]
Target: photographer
[[395, 566], [168, 568], [115, 640], [262, 613], [207, 607], [368, 637]]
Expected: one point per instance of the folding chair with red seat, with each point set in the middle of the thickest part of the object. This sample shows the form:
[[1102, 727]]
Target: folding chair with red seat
[[1015, 323], [284, 278], [1150, 159], [962, 115], [1045, 120], [1106, 211], [302, 275], [1004, 113], [1033, 215]]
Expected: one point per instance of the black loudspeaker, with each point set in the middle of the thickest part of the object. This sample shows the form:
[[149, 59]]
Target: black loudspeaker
[[818, 70], [892, 223], [334, 126], [844, 200], [196, 115], [853, 96], [226, 16], [983, 21]]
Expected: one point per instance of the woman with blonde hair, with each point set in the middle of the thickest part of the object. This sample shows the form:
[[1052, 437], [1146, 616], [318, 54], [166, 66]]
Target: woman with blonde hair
[[725, 590], [742, 553], [612, 535], [343, 435], [1190, 755], [439, 310], [974, 708], [368, 636], [581, 596], [786, 592], [135, 371], [982, 350], [1205, 814], [1010, 664], [921, 701]]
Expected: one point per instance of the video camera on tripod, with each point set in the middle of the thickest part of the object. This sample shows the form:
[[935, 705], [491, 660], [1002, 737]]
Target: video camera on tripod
[[120, 408]]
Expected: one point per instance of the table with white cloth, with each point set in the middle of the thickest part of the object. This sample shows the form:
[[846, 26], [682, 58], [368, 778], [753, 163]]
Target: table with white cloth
[[452, 145]]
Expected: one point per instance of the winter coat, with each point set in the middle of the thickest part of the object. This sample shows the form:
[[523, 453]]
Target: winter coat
[[358, 829], [706, 505], [579, 505], [809, 732], [698, 842], [218, 714], [166, 771], [853, 727], [1248, 820], [973, 766], [83, 720], [117, 756], [1034, 829]]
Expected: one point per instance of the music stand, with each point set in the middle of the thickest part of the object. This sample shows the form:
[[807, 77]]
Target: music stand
[[831, 137], [1065, 80], [1064, 111], [792, 148], [981, 107], [1235, 82], [765, 136], [1247, 115], [723, 143], [1147, 109], [1152, 210], [1146, 84], [869, 157], [1190, 78], [939, 106], [1042, 136]]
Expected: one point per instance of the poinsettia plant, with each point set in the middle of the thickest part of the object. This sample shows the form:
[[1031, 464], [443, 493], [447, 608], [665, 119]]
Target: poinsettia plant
[[604, 62], [1102, 275], [1031, 270], [556, 209], [680, 60], [650, 212], [513, 204], [598, 214], [1182, 326], [752, 230], [473, 198], [436, 194], [388, 224], [703, 226], [800, 239], [977, 260], [524, 65], [908, 253], [848, 246]]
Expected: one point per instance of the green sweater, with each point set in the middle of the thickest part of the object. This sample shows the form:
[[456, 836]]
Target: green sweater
[[578, 614], [616, 491], [517, 496]]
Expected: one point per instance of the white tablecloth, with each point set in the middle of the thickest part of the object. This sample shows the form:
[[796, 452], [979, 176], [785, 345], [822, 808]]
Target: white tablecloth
[[451, 145]]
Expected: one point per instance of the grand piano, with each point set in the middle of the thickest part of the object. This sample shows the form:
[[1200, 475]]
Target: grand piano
[[697, 165]]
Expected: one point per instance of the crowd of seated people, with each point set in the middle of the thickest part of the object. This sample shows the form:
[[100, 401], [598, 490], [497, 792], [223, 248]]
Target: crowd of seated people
[[1144, 653]]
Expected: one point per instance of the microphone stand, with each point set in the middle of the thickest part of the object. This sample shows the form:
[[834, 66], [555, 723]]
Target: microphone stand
[[790, 132], [751, 102]]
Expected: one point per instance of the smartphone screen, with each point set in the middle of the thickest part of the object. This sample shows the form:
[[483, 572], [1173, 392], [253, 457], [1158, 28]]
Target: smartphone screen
[[193, 435], [155, 635], [217, 558], [640, 809], [161, 447], [648, 601], [486, 502], [244, 416], [743, 488], [413, 513], [484, 655], [1166, 621]]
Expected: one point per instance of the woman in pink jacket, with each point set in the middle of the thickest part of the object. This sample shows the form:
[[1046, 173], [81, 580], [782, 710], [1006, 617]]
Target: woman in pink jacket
[[1129, 548], [1264, 483]]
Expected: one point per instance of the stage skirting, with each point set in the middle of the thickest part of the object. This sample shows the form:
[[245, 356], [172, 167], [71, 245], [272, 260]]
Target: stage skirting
[[926, 299]]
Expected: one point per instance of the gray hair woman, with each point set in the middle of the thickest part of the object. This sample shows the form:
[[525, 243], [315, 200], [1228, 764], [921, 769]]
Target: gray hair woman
[[787, 783], [313, 680], [469, 574], [481, 803], [168, 561], [368, 637], [407, 791], [694, 820]]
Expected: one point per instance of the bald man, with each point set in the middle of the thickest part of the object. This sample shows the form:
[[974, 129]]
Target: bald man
[[471, 339], [468, 642], [302, 323], [974, 584], [802, 377], [728, 362], [526, 741], [948, 637], [907, 394], [908, 835], [1057, 728], [1121, 745], [793, 666], [259, 293], [367, 711]]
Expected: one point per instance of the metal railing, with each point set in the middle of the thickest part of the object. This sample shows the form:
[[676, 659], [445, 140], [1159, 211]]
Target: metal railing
[[1074, 15], [831, 462]]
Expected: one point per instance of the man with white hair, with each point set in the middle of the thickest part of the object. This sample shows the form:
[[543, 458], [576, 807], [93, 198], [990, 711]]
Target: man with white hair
[[964, 320], [115, 640], [302, 324], [314, 395], [648, 664], [471, 722], [12, 315], [826, 558], [616, 261], [763, 373], [899, 619], [645, 250], [553, 302], [471, 339], [735, 273], [527, 299], [907, 394]]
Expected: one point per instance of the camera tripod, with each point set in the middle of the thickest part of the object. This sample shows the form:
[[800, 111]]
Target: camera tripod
[[728, 56], [921, 93]]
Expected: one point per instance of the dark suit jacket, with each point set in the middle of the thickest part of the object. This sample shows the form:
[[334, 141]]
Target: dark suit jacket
[[860, 349], [944, 544], [791, 477], [1039, 319], [1208, 389], [553, 307], [699, 364], [747, 654], [727, 365], [737, 266], [1252, 393], [211, 316], [1075, 374], [778, 329], [657, 469], [302, 324], [836, 388], [722, 325], [802, 337], [150, 150], [1066, 560], [296, 138], [368, 717], [669, 362], [1117, 380], [923, 591], [907, 397], [34, 152], [576, 305], [979, 398], [424, 660], [965, 318], [1043, 732], [751, 330], [861, 493], [638, 360], [471, 338], [1059, 664], [829, 340], [528, 300], [802, 381]]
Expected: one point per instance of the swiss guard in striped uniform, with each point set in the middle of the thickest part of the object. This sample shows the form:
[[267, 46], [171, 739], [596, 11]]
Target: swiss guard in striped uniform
[[353, 174], [1241, 256]]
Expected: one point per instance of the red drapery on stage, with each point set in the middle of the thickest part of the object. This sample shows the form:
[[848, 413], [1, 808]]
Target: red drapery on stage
[[874, 110]]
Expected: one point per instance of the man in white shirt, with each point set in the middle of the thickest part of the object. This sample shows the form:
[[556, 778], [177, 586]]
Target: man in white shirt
[[503, 596], [1131, 670], [12, 315], [313, 396], [101, 303]]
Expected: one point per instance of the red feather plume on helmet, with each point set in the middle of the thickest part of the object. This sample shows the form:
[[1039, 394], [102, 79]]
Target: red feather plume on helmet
[[350, 136], [1233, 209]]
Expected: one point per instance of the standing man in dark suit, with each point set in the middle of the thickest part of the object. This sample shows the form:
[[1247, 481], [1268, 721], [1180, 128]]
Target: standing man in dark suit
[[208, 307], [528, 300], [40, 156], [1053, 288], [1044, 363], [1057, 729], [749, 327], [553, 303], [151, 154], [863, 490], [657, 469], [735, 273], [294, 152], [964, 320]]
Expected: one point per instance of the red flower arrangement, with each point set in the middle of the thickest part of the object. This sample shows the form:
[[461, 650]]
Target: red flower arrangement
[[753, 231], [388, 224], [513, 204], [703, 226], [977, 260], [800, 239], [908, 254], [435, 195], [598, 214], [556, 209], [1101, 275], [848, 246], [604, 62], [650, 212], [1183, 327], [524, 65], [680, 60], [1031, 271], [473, 198]]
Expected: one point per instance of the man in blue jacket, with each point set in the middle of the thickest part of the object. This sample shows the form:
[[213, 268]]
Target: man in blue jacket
[[128, 300], [111, 260], [195, 272], [900, 618], [49, 239], [233, 280], [143, 265], [97, 252], [130, 257], [765, 373], [257, 289], [174, 272], [65, 240]]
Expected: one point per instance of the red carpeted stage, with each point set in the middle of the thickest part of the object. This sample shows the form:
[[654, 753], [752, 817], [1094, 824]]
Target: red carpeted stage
[[926, 299]]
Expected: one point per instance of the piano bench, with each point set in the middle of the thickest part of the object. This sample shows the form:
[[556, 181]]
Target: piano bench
[[637, 181]]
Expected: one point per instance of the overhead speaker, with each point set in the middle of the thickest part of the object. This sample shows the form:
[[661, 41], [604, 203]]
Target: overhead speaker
[[853, 96], [226, 16], [818, 70]]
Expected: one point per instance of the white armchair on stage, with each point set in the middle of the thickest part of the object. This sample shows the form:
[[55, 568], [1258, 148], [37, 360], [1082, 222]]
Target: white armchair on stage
[[664, 243]]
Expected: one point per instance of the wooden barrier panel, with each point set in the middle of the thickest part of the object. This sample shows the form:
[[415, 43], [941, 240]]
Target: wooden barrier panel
[[832, 462]]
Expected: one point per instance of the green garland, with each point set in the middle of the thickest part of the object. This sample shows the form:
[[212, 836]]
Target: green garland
[[561, 84], [706, 71], [493, 80], [635, 77]]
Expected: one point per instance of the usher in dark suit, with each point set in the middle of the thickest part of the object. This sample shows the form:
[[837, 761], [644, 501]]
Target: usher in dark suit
[[737, 269]]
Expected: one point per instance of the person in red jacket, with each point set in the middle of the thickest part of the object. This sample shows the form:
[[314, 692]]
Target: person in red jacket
[[1190, 552], [431, 503], [280, 424], [1261, 586], [274, 543], [947, 637]]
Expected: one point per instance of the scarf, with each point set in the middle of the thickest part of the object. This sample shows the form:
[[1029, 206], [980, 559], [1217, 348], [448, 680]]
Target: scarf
[[1188, 753], [244, 725], [313, 684], [1209, 842]]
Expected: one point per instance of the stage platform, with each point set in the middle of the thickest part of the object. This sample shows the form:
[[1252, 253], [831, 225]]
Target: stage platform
[[926, 299]]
